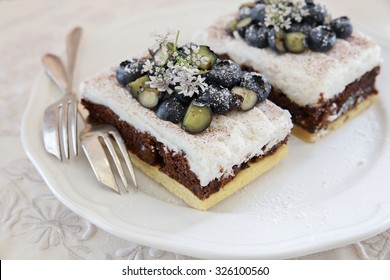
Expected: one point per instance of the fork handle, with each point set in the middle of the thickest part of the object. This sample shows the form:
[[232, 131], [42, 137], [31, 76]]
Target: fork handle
[[72, 44], [56, 70]]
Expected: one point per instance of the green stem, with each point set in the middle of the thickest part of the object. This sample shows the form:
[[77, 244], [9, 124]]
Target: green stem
[[177, 38]]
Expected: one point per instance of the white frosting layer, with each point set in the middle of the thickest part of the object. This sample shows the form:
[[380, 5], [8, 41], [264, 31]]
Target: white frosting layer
[[302, 77], [229, 140]]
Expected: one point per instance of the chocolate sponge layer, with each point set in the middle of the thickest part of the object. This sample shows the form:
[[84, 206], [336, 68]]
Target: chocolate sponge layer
[[314, 119], [153, 152]]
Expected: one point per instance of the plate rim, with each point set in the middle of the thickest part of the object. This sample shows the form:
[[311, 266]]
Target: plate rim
[[153, 241]]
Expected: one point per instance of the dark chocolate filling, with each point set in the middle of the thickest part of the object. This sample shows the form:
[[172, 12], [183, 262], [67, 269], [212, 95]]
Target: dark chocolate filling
[[153, 152], [314, 119]]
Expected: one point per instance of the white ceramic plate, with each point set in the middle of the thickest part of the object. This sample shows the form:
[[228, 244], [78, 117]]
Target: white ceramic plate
[[321, 196]]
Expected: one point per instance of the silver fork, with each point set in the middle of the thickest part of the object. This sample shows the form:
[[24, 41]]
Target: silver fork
[[60, 118], [102, 144]]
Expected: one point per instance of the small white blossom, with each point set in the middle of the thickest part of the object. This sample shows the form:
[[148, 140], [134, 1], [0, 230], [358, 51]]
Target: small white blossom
[[182, 75], [194, 57], [191, 85], [170, 64], [148, 67], [162, 80], [187, 51], [200, 83], [298, 12], [186, 81], [195, 48], [159, 70], [162, 39], [280, 13], [181, 71]]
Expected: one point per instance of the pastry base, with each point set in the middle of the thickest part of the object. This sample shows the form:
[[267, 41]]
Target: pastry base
[[242, 178], [313, 137]]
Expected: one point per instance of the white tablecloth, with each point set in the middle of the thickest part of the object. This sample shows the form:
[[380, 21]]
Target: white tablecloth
[[33, 223]]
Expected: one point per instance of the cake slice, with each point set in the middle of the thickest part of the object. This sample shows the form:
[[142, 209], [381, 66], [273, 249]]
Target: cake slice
[[321, 70], [200, 134]]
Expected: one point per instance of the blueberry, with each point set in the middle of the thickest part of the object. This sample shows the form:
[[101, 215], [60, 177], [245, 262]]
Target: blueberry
[[257, 36], [265, 86], [163, 54], [219, 99], [342, 27], [149, 97], [300, 27], [257, 83], [211, 56], [246, 98], [182, 98], [171, 110], [244, 12], [129, 70], [276, 40], [258, 12], [295, 42], [242, 25], [136, 86], [225, 73], [315, 13], [187, 47], [321, 38], [197, 118]]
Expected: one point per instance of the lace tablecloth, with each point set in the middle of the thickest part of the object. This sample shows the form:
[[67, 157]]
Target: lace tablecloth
[[34, 224]]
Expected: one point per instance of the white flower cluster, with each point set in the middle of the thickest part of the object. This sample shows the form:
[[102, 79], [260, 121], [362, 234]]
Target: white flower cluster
[[161, 79], [189, 83], [194, 57], [280, 13], [297, 11], [161, 40], [180, 73]]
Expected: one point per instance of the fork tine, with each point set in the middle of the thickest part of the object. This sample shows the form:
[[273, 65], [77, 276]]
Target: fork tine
[[51, 136], [98, 160], [64, 111], [116, 160], [125, 155], [73, 125]]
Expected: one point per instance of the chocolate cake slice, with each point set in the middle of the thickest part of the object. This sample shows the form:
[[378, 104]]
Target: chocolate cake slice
[[201, 145], [321, 70]]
